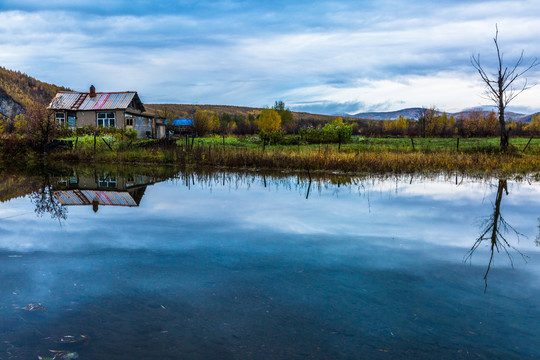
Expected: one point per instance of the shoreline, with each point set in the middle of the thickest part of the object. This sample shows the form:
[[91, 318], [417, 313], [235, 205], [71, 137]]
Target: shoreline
[[285, 159]]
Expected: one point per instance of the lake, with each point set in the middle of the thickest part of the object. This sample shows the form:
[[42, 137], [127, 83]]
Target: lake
[[109, 263]]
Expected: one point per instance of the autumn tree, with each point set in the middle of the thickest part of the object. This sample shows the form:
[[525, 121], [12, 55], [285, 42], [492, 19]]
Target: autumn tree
[[20, 124], [42, 127], [202, 122], [534, 126], [489, 124], [504, 85], [285, 114], [426, 119], [269, 120]]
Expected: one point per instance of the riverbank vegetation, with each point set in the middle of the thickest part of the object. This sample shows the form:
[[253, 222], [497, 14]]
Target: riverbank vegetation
[[361, 155], [403, 145]]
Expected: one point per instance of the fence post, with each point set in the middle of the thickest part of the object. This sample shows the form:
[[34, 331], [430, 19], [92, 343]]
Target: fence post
[[526, 146]]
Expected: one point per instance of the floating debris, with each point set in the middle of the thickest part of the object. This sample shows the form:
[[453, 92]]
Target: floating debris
[[14, 256], [74, 340], [33, 307], [61, 355]]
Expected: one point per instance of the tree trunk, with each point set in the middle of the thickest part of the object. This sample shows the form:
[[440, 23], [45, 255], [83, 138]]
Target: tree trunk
[[502, 124]]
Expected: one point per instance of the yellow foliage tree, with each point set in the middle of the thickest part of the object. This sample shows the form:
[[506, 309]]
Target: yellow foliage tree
[[534, 125], [269, 120], [215, 124], [20, 124], [202, 122]]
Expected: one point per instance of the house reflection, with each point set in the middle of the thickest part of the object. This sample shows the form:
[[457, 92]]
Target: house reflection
[[105, 189]]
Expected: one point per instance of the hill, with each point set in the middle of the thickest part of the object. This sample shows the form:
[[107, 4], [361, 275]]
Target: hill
[[415, 113], [410, 113], [188, 110], [18, 91]]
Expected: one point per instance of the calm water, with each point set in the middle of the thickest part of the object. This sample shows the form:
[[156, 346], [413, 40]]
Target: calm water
[[236, 266]]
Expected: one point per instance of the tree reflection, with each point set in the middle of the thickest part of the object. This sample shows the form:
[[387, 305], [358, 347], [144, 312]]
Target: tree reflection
[[494, 230], [537, 241], [45, 202]]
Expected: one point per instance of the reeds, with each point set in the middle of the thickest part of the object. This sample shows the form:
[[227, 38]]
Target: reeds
[[326, 158]]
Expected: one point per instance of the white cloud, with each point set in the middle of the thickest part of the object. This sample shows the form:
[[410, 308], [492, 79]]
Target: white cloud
[[411, 56]]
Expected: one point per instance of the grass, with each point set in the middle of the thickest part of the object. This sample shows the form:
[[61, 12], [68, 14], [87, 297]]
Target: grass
[[363, 155], [389, 144]]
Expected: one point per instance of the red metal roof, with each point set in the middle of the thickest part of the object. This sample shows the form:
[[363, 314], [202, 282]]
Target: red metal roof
[[102, 101]]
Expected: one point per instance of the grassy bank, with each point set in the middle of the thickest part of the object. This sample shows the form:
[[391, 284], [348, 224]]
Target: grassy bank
[[363, 155]]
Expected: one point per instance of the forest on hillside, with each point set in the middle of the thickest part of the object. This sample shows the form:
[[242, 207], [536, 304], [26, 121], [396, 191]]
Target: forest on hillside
[[26, 90]]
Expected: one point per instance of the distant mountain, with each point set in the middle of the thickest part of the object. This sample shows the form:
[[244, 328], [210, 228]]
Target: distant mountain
[[527, 118], [18, 91], [415, 113], [410, 113], [485, 110]]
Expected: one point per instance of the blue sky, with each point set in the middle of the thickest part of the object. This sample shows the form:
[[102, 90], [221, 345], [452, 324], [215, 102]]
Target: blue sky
[[317, 56]]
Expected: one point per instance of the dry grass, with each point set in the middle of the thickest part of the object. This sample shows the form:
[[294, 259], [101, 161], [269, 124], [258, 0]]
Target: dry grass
[[328, 159]]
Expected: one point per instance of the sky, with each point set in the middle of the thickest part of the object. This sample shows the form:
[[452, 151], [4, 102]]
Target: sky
[[320, 56]]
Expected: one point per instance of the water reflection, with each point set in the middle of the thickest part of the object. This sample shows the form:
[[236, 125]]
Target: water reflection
[[45, 201], [213, 265], [495, 231], [102, 189]]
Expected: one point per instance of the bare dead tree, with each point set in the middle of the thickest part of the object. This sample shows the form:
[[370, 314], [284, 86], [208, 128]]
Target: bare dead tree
[[503, 86], [494, 230]]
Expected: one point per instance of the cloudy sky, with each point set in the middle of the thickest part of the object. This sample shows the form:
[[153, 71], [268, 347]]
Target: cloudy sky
[[323, 56]]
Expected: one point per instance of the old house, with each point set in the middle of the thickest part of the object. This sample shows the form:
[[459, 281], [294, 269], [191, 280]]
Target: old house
[[122, 110]]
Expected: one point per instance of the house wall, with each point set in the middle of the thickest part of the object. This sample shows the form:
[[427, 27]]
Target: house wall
[[89, 118], [161, 131], [143, 125]]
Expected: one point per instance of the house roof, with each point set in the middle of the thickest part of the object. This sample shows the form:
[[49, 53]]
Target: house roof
[[86, 197], [72, 100], [182, 122]]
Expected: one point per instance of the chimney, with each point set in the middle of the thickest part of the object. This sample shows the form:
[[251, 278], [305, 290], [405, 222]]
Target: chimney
[[92, 91]]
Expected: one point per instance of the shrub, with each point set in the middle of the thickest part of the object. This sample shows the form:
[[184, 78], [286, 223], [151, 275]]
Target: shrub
[[331, 133]]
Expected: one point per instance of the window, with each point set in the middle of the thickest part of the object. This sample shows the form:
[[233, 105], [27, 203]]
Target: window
[[106, 119], [108, 182], [72, 118], [60, 118], [129, 121]]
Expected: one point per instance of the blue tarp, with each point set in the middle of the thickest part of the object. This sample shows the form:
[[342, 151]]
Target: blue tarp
[[182, 122]]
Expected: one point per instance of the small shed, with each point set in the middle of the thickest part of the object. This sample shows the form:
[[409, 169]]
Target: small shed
[[174, 127]]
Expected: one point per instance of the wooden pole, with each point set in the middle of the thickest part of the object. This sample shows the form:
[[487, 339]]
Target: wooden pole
[[526, 146], [412, 142], [106, 143], [457, 145]]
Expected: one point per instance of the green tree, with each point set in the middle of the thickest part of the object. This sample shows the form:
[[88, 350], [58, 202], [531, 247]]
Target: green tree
[[285, 113]]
